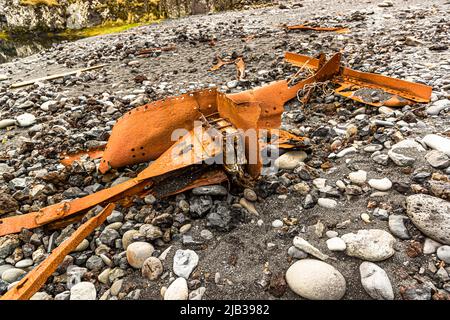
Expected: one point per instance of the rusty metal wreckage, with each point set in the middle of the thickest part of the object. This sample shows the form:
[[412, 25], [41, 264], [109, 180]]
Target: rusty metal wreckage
[[144, 134]]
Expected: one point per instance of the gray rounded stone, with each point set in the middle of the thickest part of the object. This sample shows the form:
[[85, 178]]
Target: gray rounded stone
[[12, 275], [290, 160], [315, 280], [83, 291], [128, 236], [375, 281], [24, 263], [443, 253], [138, 252], [152, 268], [178, 290], [371, 245], [430, 215], [184, 262]]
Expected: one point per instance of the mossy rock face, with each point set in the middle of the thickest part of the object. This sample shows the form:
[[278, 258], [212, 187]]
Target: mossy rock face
[[21, 16], [24, 16]]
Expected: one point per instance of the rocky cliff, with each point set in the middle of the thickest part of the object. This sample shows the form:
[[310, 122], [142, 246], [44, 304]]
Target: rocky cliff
[[19, 16], [53, 15]]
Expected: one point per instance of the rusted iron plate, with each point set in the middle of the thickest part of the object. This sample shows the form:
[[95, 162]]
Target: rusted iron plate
[[354, 84], [144, 133], [176, 157], [34, 280], [306, 28]]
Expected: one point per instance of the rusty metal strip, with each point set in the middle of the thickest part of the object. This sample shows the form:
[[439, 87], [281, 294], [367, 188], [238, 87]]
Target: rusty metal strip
[[151, 50], [37, 277], [398, 92], [69, 208], [240, 66], [305, 28], [220, 63]]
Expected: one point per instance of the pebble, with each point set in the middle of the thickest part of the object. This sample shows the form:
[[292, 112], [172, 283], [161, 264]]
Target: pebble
[[84, 244], [212, 190], [7, 123], [24, 263], [197, 294], [443, 253], [397, 226], [327, 203], [46, 106], [250, 207], [7, 203], [345, 152], [12, 275], [152, 268], [5, 267], [316, 280], [83, 291], [437, 143], [206, 234], [385, 4], [184, 262], [365, 217], [430, 215], [128, 236], [108, 236], [26, 120], [437, 159], [103, 277], [437, 107], [116, 287], [336, 244], [250, 195], [380, 184], [430, 246], [305, 246], [277, 223], [185, 228], [150, 231], [319, 183], [358, 177], [373, 148], [331, 234], [290, 160], [405, 152], [41, 296], [138, 252], [163, 255], [178, 290], [63, 296], [371, 245], [296, 253], [375, 281]]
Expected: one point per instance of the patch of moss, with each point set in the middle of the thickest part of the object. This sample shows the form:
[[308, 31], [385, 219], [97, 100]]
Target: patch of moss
[[107, 28], [3, 35], [38, 2]]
